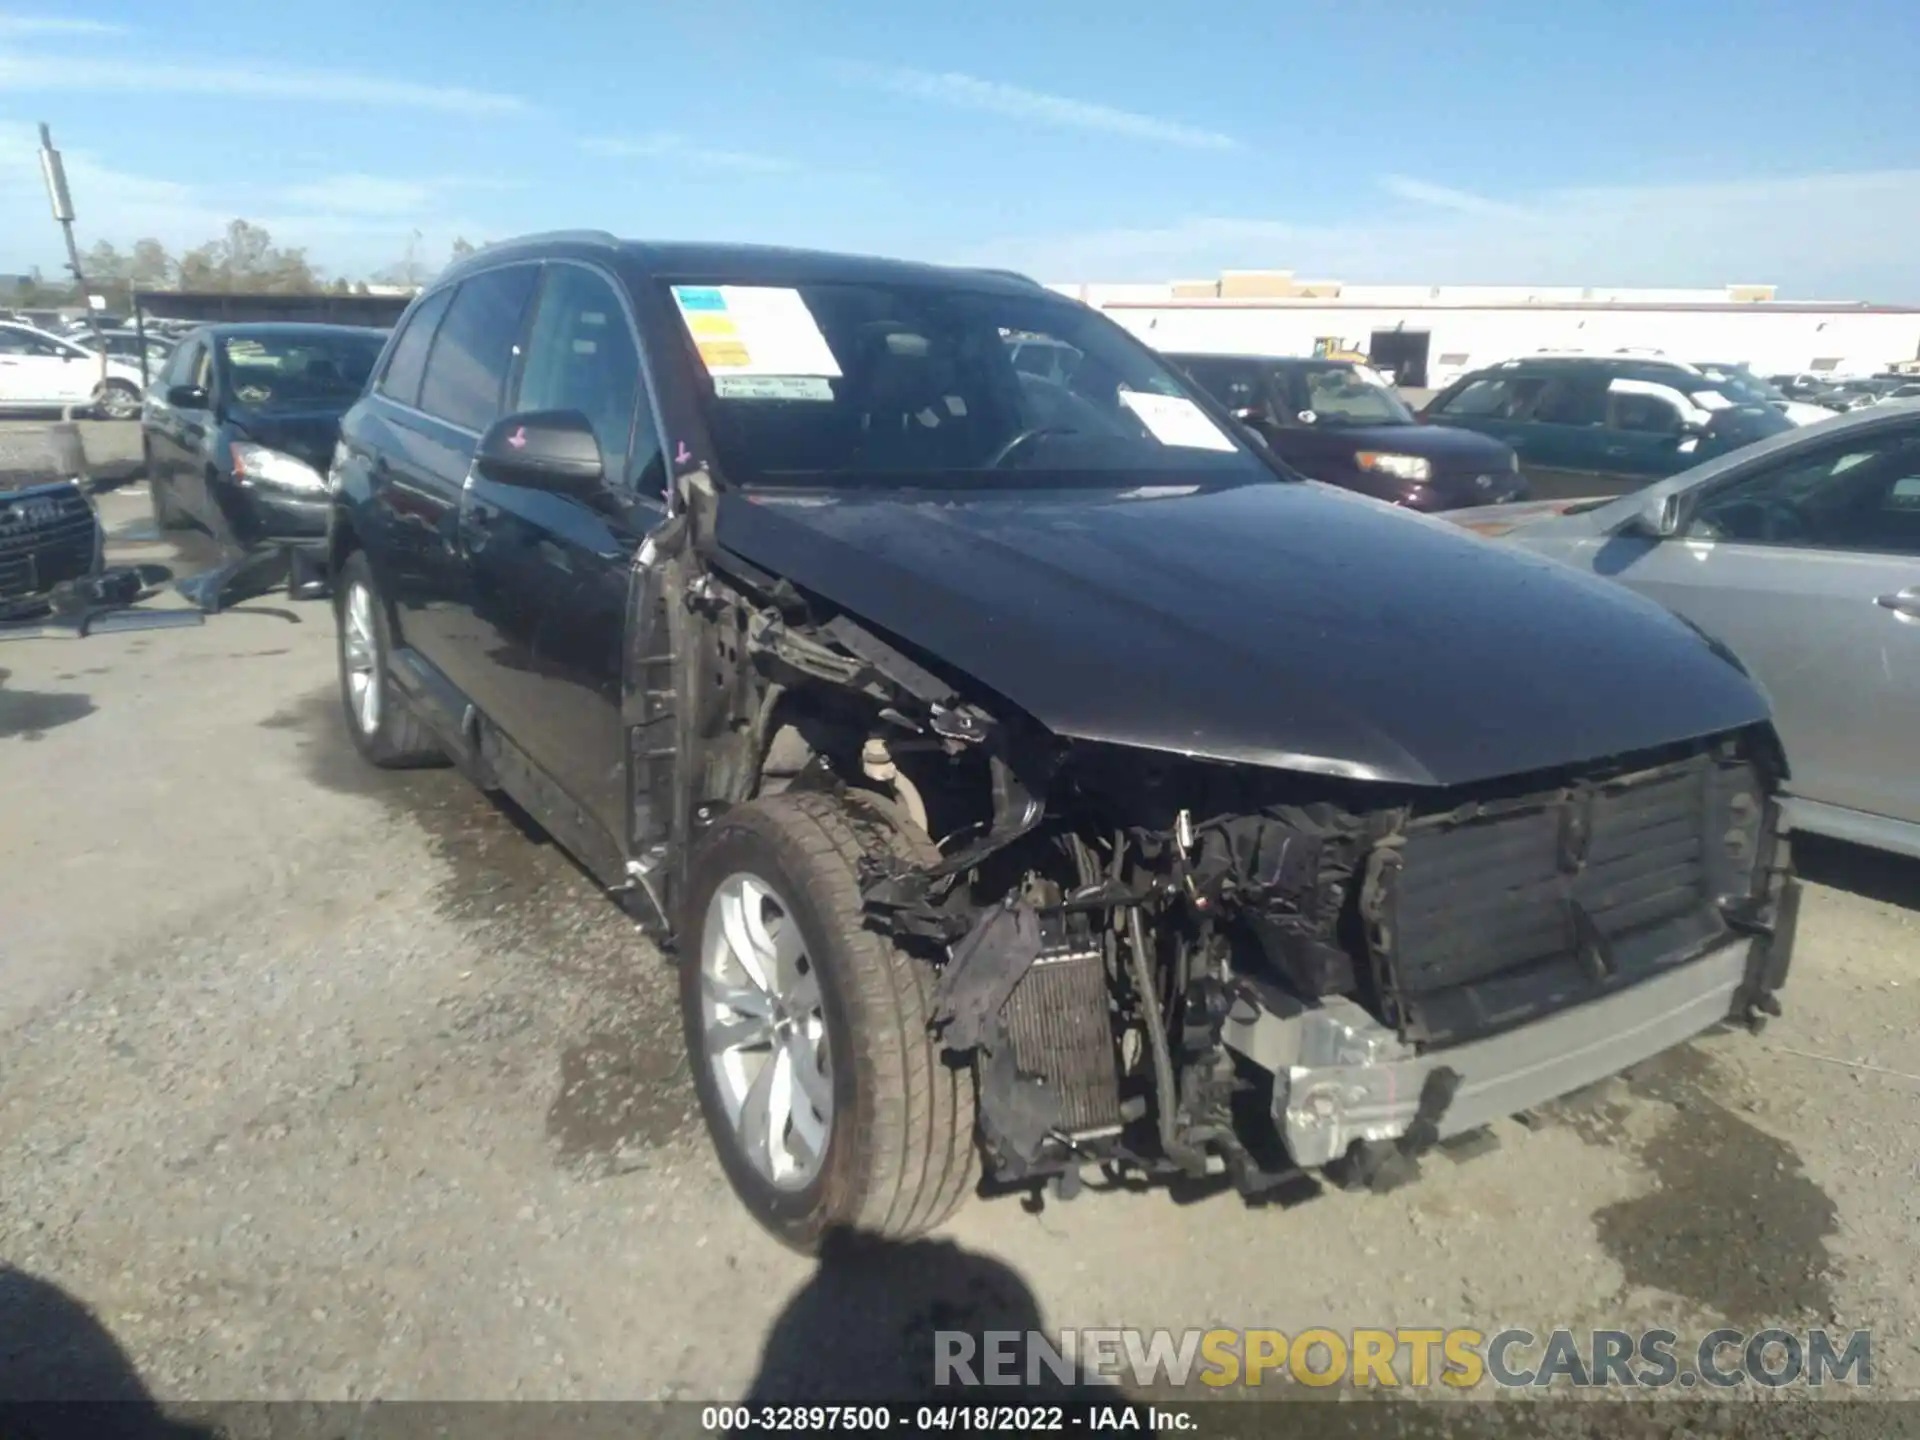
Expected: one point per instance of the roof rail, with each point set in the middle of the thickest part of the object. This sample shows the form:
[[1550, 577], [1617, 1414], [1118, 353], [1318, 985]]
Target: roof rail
[[1008, 275], [550, 237]]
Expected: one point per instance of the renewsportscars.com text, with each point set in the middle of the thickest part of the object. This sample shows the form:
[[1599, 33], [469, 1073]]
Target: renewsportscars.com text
[[1410, 1358]]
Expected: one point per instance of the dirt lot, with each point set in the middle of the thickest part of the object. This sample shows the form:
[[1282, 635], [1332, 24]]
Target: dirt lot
[[317, 1082]]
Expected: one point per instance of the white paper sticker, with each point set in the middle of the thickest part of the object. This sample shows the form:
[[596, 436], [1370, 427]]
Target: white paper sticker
[[1711, 400], [772, 387], [1176, 420], [754, 330], [1372, 376]]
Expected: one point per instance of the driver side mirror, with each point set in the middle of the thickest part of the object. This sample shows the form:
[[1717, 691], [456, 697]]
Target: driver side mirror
[[186, 397], [552, 450], [1657, 517]]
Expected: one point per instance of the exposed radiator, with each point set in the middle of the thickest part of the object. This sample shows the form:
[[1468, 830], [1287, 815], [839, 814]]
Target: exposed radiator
[[1502, 917], [1059, 1019]]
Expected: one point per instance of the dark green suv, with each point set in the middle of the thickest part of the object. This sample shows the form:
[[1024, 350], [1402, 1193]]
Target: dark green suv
[[1602, 425]]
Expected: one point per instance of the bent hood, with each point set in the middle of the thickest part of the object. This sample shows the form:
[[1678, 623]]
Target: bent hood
[[1285, 624]]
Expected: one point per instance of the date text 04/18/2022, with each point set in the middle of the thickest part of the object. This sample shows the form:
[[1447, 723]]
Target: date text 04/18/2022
[[977, 1419]]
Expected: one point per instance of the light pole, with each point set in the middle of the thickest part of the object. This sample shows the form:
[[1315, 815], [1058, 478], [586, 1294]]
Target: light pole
[[62, 200]]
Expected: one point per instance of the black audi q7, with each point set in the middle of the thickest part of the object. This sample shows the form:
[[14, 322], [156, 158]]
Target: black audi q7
[[1026, 771]]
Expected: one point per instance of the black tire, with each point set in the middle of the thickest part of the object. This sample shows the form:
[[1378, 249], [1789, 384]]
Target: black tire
[[116, 400], [397, 740], [901, 1155]]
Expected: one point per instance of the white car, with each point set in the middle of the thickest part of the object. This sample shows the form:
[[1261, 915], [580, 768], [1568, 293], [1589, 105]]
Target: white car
[[39, 371]]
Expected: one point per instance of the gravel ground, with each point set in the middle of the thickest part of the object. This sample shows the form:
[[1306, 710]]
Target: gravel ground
[[322, 1083]]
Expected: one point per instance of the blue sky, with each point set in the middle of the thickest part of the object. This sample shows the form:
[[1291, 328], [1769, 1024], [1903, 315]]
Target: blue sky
[[1619, 143]]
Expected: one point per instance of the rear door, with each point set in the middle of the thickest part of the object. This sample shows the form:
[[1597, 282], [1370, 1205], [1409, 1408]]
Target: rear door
[[1564, 444], [1495, 403], [1809, 569], [550, 571]]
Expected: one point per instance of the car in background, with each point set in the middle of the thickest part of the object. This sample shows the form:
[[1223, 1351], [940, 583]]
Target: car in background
[[128, 345], [39, 371], [1602, 424], [1341, 422], [1737, 380], [238, 431], [1801, 554]]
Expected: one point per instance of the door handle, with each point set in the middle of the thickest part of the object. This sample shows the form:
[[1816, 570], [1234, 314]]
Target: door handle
[[1905, 603]]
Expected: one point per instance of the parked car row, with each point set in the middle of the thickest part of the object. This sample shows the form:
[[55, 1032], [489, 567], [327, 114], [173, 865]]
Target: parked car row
[[1028, 769], [39, 371]]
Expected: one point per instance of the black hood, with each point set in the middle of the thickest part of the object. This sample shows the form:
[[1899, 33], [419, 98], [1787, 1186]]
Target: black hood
[[307, 435], [1293, 625], [1449, 449]]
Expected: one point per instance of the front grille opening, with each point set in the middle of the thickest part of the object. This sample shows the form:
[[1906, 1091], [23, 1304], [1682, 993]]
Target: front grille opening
[[1502, 912]]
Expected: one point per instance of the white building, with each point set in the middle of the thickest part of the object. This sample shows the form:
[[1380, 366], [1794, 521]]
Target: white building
[[1430, 335]]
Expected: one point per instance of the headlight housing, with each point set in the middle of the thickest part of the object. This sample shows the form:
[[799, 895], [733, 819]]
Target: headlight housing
[[1416, 468], [256, 464]]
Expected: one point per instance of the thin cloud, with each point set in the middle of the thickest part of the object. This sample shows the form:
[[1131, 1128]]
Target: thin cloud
[[678, 150], [239, 78], [359, 194], [1445, 197], [56, 25], [966, 92], [1843, 235]]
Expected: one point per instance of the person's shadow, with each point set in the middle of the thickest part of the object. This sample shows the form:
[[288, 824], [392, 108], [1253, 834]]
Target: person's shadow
[[877, 1315], [63, 1374]]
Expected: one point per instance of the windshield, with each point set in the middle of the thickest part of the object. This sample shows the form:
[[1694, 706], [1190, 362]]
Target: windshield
[[1345, 395], [299, 371], [1742, 384], [931, 384]]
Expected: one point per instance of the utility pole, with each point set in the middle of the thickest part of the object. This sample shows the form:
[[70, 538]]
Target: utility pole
[[62, 200]]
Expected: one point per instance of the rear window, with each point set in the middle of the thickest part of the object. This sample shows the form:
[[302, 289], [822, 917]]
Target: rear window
[[402, 378]]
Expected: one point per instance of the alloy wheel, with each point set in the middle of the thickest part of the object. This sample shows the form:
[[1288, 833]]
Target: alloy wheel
[[765, 1031], [360, 651]]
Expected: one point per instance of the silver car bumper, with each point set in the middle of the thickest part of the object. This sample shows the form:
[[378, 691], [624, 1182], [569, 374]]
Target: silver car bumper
[[1340, 1076]]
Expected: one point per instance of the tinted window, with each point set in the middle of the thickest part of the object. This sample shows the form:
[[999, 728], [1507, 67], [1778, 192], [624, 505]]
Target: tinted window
[[298, 370], [581, 356], [1859, 495], [1494, 397], [1643, 414], [180, 368], [1572, 400], [901, 381], [402, 378], [1234, 383], [467, 368]]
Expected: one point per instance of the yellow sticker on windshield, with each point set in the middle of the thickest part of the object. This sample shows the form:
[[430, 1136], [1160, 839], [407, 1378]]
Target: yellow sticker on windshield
[[724, 354], [711, 326]]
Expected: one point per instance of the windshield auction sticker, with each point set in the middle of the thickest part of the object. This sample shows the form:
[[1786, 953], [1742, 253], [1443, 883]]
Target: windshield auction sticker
[[754, 330], [1176, 420]]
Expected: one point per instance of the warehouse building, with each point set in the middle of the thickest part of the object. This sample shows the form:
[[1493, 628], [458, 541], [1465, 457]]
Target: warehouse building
[[1429, 335]]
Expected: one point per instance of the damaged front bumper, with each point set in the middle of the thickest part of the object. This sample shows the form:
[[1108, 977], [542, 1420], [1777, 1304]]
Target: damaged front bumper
[[1340, 1077]]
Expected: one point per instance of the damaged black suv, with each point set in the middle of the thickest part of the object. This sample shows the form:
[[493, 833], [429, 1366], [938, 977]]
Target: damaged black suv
[[1027, 771]]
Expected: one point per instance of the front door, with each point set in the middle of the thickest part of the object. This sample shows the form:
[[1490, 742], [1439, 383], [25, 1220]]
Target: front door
[[33, 369], [171, 453], [1809, 570], [551, 572]]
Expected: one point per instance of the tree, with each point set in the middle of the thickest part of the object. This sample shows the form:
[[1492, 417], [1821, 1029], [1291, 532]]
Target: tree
[[151, 267], [246, 259]]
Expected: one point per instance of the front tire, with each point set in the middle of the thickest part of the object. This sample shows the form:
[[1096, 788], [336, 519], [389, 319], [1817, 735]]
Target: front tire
[[384, 730], [829, 1104], [116, 400]]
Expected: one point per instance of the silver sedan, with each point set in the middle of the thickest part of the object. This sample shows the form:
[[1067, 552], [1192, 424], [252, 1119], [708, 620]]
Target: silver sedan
[[1802, 555]]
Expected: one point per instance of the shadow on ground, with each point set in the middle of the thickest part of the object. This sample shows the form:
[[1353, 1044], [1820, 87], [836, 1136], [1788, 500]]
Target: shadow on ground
[[62, 1373], [1871, 874]]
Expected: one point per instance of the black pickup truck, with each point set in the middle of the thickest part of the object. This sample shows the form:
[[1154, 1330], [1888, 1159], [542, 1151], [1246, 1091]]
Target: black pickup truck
[[1024, 771]]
